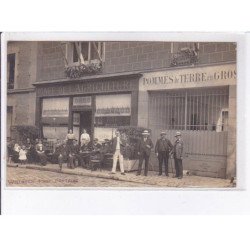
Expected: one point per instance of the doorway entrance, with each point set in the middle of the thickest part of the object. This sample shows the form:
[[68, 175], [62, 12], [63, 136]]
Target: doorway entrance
[[82, 120], [86, 121]]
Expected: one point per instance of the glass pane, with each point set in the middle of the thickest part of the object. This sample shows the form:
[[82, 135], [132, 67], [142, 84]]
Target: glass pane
[[85, 50], [75, 55]]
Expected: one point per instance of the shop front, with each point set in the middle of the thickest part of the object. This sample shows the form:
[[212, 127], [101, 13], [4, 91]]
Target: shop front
[[97, 105], [201, 103]]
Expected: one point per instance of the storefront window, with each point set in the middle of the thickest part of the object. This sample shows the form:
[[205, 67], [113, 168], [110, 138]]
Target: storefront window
[[55, 117], [112, 111], [198, 109]]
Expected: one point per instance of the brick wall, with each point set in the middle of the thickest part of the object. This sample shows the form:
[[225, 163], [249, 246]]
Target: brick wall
[[50, 61], [216, 52], [130, 56]]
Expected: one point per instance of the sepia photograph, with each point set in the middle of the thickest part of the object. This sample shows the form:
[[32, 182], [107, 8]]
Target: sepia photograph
[[121, 114]]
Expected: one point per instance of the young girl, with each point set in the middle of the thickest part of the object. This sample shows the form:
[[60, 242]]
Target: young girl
[[22, 155]]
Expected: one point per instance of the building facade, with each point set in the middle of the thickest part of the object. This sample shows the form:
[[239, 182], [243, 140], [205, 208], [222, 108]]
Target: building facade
[[21, 74], [189, 87]]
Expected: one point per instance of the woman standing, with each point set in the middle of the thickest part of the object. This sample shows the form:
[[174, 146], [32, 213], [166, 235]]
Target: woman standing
[[70, 139]]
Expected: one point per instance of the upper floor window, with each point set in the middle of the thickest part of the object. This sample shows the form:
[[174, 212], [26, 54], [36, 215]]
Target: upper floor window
[[11, 62], [84, 58], [184, 53], [85, 52]]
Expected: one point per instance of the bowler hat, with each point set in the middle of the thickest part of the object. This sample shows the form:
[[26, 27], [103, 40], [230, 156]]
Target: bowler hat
[[145, 132], [163, 133]]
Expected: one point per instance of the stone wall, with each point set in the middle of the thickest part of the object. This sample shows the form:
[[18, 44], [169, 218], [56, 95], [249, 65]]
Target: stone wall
[[25, 68], [23, 108], [23, 103]]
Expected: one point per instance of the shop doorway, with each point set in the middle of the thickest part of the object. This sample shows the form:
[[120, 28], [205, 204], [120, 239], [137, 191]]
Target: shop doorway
[[86, 122]]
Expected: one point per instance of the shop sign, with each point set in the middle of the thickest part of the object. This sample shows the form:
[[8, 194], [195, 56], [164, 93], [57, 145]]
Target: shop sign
[[190, 77], [82, 101], [89, 87]]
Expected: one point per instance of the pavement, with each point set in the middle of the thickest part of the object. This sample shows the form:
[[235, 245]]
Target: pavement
[[130, 179]]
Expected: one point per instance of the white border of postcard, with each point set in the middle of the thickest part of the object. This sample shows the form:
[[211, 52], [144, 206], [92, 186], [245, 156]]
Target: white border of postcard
[[133, 200]]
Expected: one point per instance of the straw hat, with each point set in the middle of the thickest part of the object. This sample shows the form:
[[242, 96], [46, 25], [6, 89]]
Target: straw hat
[[145, 132]]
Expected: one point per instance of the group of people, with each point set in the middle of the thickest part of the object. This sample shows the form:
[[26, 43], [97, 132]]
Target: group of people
[[67, 151], [26, 152], [79, 154], [163, 149]]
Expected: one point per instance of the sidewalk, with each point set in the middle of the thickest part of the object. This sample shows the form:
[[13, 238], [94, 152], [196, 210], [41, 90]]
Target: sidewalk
[[151, 179]]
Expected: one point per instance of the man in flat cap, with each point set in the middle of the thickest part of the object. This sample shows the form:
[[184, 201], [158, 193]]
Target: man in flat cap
[[144, 149], [162, 149], [178, 155]]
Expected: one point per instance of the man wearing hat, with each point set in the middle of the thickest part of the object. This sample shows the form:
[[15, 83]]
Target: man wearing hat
[[162, 148], [118, 147], [178, 155], [144, 149]]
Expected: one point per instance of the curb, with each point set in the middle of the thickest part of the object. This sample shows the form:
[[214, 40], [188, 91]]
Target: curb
[[97, 175]]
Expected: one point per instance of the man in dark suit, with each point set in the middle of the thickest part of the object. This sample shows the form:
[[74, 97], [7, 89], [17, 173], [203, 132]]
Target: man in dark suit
[[144, 149], [178, 155], [62, 152], [162, 148], [118, 147]]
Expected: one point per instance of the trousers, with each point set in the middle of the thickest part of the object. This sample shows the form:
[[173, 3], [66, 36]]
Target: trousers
[[117, 155], [145, 157], [178, 167], [163, 158]]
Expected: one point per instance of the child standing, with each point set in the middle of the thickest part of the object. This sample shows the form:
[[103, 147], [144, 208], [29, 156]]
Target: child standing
[[22, 155]]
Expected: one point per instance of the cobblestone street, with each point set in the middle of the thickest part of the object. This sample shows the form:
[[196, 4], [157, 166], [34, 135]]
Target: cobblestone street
[[50, 176], [23, 177]]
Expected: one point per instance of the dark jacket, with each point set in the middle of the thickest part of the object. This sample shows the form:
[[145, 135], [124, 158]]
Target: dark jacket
[[122, 145], [95, 147], [145, 146], [76, 149], [63, 150], [163, 145], [85, 147], [178, 149]]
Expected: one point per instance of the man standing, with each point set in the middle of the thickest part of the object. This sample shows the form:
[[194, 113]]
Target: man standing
[[178, 155], [118, 151], [144, 149], [162, 148]]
